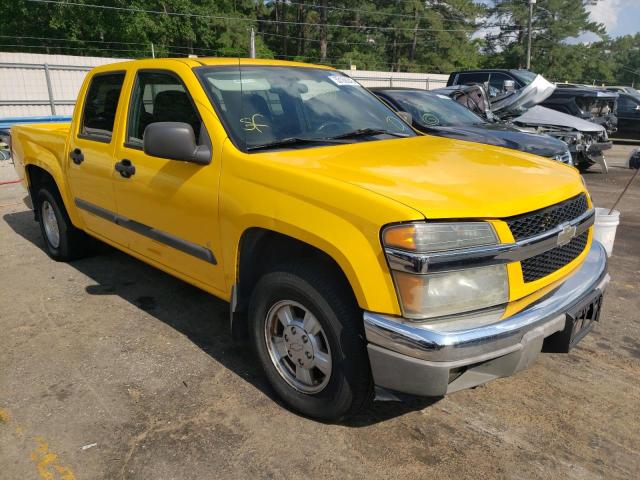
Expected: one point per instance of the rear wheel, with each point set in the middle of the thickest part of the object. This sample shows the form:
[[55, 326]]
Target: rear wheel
[[63, 241], [307, 332]]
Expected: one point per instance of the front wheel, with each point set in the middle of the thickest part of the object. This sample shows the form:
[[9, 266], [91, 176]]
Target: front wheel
[[307, 332], [583, 162]]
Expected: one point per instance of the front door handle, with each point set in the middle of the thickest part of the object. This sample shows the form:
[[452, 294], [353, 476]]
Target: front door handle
[[125, 168], [77, 156]]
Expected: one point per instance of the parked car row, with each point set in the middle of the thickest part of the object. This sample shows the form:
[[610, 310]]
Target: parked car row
[[581, 116]]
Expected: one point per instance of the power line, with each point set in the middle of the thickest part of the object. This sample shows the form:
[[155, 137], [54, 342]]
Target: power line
[[356, 10], [170, 49], [242, 19], [147, 44], [413, 17], [373, 41]]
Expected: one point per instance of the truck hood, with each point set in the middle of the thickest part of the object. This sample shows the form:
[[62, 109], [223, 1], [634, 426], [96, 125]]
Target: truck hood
[[542, 116], [441, 177], [520, 100]]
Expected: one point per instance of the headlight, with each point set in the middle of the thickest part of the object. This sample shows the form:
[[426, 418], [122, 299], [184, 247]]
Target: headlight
[[439, 294], [431, 295], [564, 157]]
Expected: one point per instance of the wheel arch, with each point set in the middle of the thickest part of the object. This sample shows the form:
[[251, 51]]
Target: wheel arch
[[38, 176], [251, 265]]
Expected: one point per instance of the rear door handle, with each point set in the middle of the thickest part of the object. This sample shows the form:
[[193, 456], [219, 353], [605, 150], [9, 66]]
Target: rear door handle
[[77, 156], [125, 168]]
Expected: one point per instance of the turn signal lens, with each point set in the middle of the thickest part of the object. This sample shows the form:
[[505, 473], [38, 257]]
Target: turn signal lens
[[439, 237], [402, 236]]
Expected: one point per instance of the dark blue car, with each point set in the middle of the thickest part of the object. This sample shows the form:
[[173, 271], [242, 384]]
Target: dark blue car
[[437, 114]]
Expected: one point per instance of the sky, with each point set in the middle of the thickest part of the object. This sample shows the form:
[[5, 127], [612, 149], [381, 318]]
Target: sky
[[620, 17]]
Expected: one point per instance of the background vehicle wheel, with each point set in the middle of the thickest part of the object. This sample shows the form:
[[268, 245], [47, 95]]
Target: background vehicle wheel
[[307, 331], [62, 240], [583, 163]]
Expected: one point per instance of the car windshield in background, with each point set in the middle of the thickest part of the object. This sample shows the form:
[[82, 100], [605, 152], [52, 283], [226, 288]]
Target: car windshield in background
[[525, 76], [432, 110], [285, 107]]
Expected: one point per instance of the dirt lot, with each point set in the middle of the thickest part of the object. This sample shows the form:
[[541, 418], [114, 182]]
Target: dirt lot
[[110, 369]]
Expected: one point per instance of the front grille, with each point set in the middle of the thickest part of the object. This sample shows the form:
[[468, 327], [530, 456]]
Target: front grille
[[540, 221], [548, 262]]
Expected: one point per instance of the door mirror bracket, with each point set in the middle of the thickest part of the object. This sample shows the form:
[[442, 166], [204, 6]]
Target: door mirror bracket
[[175, 141]]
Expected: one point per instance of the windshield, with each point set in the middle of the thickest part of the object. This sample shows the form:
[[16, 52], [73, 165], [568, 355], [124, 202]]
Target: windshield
[[431, 110], [263, 106], [525, 76]]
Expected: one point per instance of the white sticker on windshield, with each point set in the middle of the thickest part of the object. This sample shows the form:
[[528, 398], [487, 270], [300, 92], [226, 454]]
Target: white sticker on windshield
[[343, 80]]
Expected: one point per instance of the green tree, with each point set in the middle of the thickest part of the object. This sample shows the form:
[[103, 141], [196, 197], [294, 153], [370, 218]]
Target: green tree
[[554, 22]]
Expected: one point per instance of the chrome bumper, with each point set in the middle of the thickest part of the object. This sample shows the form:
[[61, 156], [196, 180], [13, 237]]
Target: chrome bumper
[[412, 358]]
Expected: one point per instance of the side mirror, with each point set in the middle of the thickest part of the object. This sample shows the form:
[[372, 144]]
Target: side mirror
[[406, 116], [509, 85], [175, 141]]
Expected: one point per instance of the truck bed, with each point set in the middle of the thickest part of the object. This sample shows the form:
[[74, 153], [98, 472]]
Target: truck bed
[[33, 143]]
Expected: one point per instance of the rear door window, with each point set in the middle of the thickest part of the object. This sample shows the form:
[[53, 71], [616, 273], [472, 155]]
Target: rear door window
[[472, 78], [626, 104], [100, 106], [497, 81]]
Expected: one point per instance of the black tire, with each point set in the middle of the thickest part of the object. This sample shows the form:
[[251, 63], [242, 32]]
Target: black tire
[[583, 163], [583, 167], [73, 243], [328, 297]]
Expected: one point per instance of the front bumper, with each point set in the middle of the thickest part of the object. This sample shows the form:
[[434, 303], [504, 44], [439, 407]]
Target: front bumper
[[407, 357], [595, 148]]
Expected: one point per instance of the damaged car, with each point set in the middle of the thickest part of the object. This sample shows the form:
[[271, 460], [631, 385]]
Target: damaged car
[[437, 114], [585, 102], [519, 107]]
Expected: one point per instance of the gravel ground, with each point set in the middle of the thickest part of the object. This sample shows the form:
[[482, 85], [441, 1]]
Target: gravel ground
[[110, 369]]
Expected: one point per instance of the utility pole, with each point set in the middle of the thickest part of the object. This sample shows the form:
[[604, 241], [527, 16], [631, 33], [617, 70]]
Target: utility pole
[[252, 44], [153, 52], [531, 2]]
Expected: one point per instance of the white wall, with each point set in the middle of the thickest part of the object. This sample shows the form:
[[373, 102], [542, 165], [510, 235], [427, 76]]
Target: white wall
[[427, 81], [22, 84]]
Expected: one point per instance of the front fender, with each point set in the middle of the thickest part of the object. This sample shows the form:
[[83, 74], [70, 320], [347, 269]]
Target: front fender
[[340, 219]]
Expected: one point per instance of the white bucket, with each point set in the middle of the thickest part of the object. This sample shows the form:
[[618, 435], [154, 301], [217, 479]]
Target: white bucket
[[605, 228]]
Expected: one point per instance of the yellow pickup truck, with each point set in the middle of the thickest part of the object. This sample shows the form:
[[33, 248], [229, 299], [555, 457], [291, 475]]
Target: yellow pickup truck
[[354, 252]]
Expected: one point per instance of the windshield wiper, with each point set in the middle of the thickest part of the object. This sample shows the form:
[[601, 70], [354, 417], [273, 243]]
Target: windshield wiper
[[290, 141], [362, 132]]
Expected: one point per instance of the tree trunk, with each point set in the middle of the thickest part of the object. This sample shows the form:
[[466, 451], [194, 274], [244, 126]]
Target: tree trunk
[[412, 54], [394, 52], [301, 30], [323, 31], [285, 43]]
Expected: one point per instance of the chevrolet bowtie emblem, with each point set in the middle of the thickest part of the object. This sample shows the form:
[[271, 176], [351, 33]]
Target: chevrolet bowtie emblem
[[566, 235]]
